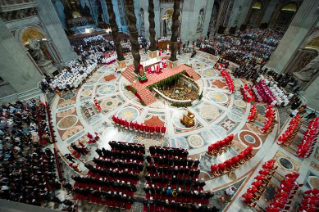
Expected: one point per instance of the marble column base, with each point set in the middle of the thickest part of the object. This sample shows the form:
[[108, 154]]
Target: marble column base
[[172, 64], [47, 67], [121, 64]]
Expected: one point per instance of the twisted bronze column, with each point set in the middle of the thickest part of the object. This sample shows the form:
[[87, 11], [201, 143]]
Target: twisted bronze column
[[175, 29], [115, 31], [131, 20], [151, 16]]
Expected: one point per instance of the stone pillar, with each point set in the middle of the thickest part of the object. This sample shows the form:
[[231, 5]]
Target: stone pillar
[[246, 4], [157, 12], [312, 95], [52, 24], [269, 11], [17, 67], [222, 14], [208, 14], [304, 20]]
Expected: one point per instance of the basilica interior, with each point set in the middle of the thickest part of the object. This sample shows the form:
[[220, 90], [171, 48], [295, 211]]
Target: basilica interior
[[159, 105]]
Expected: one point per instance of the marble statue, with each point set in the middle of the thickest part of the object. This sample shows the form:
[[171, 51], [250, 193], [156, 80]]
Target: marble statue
[[309, 71], [35, 50]]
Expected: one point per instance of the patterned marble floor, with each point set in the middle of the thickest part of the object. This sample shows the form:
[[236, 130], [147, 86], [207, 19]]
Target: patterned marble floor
[[218, 114]]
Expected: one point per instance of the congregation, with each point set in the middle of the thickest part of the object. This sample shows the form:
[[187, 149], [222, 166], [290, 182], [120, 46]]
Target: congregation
[[27, 171], [251, 44]]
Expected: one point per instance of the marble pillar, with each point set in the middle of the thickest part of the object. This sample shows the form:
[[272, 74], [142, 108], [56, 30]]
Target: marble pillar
[[208, 14], [157, 12], [246, 4], [312, 95], [17, 67], [303, 21], [235, 14], [269, 11], [52, 24]]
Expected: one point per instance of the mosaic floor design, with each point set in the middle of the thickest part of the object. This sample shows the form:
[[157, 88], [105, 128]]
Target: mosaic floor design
[[218, 114]]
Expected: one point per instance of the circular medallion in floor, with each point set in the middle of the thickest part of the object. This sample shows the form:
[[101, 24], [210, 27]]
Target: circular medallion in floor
[[195, 141], [106, 89], [250, 139], [286, 163], [67, 122], [129, 114], [218, 97]]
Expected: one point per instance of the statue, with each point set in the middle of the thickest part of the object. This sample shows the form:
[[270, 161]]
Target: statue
[[35, 51], [309, 71], [37, 54]]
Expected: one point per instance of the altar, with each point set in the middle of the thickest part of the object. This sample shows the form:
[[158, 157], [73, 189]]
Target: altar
[[151, 62]]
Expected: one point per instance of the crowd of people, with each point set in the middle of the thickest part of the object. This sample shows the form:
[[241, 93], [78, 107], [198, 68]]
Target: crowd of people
[[27, 171], [256, 44]]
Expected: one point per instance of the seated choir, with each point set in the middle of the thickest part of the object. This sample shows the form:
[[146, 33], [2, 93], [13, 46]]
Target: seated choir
[[220, 146], [231, 164], [260, 183]]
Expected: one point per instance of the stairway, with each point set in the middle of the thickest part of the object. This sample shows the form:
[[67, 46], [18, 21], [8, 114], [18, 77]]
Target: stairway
[[147, 96], [191, 73], [129, 73]]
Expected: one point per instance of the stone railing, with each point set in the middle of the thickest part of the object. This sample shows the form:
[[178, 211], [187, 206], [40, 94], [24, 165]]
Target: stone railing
[[13, 5], [174, 101]]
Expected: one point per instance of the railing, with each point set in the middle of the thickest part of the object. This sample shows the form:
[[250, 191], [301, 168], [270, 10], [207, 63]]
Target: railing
[[13, 5], [14, 2]]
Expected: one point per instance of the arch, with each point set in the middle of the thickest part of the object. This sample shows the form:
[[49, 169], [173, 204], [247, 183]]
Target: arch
[[286, 14], [166, 21], [257, 5], [291, 7], [36, 32], [30, 32]]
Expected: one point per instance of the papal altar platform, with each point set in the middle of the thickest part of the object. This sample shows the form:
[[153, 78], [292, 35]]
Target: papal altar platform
[[142, 89]]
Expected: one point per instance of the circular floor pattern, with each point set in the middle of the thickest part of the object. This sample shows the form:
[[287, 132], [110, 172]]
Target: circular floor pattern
[[209, 73], [129, 114], [106, 89], [109, 103], [86, 93], [209, 112], [218, 97], [249, 138], [181, 142], [240, 103], [195, 141], [67, 122], [286, 163]]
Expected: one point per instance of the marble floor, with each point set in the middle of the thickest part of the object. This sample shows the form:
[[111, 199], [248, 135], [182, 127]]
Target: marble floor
[[218, 114]]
